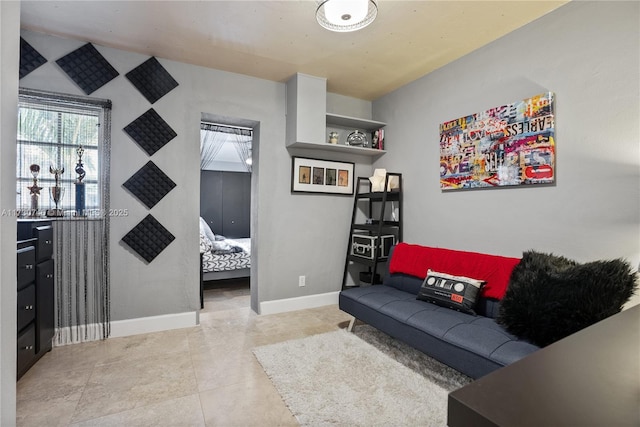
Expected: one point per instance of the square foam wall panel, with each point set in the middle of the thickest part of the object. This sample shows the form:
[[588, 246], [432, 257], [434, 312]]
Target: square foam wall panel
[[148, 238], [149, 184], [150, 131], [30, 59], [87, 68], [152, 80]]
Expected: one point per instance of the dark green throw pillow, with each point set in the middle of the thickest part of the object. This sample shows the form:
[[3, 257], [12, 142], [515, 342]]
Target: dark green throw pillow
[[550, 297]]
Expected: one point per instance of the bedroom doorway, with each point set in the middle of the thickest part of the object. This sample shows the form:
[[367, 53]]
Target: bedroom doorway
[[226, 169]]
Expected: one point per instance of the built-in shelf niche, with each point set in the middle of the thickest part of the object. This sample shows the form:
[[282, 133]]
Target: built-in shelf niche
[[309, 124]]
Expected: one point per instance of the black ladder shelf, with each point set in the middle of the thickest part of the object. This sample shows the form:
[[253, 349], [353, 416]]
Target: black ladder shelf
[[375, 227]]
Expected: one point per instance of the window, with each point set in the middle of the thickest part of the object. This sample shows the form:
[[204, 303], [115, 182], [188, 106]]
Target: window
[[51, 129]]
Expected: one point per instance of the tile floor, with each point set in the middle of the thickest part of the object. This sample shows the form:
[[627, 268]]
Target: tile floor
[[200, 376]]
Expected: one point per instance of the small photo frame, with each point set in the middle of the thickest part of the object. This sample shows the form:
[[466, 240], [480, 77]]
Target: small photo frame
[[321, 176], [304, 177], [318, 176], [330, 177]]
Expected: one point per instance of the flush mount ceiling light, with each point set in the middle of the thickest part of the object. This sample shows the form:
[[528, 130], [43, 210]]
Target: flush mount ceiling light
[[346, 15]]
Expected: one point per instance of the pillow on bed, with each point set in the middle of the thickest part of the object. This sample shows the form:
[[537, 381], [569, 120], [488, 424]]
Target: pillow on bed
[[206, 230], [220, 245], [205, 245], [226, 247]]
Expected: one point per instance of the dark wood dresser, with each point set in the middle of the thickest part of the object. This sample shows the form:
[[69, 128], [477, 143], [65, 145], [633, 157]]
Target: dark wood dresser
[[35, 284], [590, 378]]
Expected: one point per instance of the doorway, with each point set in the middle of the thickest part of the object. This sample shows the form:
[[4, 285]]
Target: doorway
[[227, 150]]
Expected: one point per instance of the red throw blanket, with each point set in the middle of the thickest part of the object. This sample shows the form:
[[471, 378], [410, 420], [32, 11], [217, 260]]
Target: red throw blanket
[[495, 270]]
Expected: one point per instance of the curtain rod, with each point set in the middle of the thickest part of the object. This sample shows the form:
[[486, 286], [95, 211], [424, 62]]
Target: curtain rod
[[55, 97], [225, 125]]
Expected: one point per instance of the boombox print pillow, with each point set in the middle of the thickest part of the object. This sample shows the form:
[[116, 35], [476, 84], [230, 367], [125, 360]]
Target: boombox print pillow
[[455, 292]]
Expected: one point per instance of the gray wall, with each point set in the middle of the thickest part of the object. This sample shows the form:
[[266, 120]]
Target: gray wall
[[293, 234], [585, 52], [588, 54]]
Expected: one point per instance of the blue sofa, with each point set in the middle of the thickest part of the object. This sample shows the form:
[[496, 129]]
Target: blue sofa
[[474, 345]]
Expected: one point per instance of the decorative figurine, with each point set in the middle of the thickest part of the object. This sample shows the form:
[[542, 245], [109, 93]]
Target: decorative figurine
[[56, 192], [333, 137], [80, 188], [35, 190]]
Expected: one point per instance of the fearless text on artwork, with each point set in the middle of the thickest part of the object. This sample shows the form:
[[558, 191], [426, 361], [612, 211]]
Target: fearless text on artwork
[[509, 145]]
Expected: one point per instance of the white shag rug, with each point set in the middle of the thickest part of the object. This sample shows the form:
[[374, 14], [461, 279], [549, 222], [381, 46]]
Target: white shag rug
[[353, 379]]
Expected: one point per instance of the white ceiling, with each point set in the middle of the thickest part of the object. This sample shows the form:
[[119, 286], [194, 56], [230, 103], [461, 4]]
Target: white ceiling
[[275, 39]]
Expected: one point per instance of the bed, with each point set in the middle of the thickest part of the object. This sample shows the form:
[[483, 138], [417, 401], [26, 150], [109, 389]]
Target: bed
[[229, 263], [222, 258]]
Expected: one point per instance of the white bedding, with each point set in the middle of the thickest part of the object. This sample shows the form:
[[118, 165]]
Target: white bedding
[[226, 262]]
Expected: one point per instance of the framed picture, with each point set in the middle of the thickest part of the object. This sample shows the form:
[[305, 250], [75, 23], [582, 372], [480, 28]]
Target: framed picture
[[509, 145], [321, 176]]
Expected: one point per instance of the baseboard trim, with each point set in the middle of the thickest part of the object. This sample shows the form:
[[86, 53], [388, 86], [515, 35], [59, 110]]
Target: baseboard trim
[[145, 325], [77, 334], [299, 303]]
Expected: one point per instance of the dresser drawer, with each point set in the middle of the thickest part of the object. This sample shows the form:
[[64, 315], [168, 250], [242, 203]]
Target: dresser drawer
[[45, 305], [44, 247], [44, 272], [26, 349], [26, 266], [26, 306]]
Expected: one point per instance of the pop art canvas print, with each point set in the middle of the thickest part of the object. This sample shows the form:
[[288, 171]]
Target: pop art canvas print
[[504, 146]]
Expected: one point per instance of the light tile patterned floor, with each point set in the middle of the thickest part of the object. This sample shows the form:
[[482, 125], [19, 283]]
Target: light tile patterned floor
[[200, 376]]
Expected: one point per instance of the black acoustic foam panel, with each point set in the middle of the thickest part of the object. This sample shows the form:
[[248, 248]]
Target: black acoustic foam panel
[[30, 59], [149, 184], [148, 238], [150, 131], [152, 80], [87, 68]]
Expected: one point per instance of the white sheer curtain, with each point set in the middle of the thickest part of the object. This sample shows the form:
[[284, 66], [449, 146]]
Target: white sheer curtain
[[211, 142], [213, 137], [243, 147]]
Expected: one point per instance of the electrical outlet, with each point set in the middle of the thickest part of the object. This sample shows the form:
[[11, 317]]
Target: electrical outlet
[[302, 281]]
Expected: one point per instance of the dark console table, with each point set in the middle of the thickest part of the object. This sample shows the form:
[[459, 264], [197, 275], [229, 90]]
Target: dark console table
[[591, 378]]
